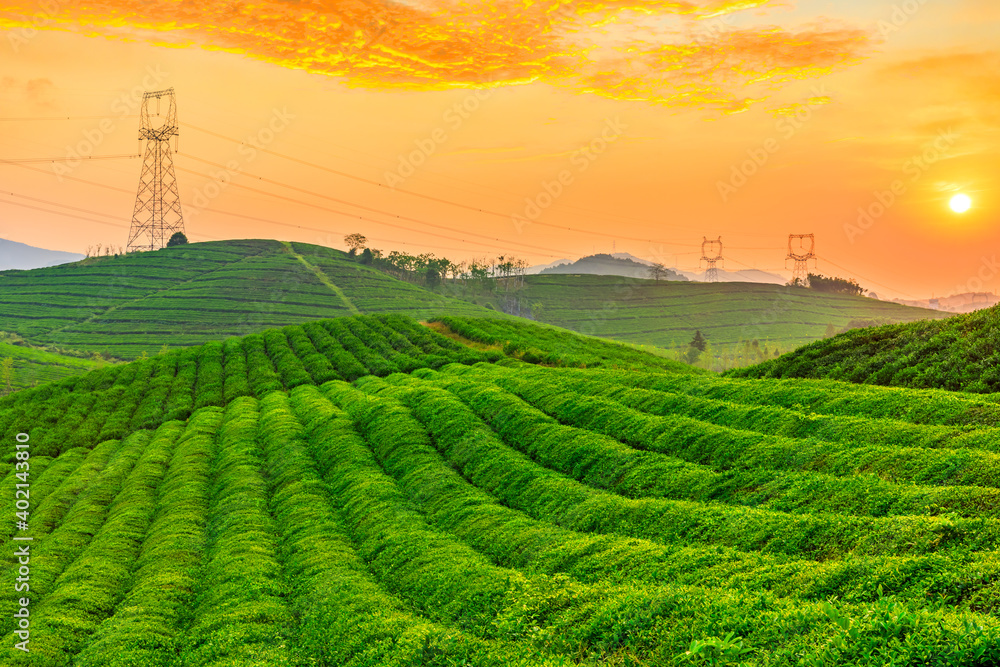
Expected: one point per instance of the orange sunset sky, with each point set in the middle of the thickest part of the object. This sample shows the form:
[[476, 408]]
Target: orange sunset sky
[[545, 129]]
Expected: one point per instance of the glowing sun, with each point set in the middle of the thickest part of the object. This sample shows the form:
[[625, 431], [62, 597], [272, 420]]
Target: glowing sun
[[961, 203]]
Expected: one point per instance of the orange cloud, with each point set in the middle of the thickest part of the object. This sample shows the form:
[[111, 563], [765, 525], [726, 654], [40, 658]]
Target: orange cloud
[[614, 48]]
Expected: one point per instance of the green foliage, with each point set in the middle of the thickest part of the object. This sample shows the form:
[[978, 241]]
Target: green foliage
[[176, 239], [834, 285], [189, 295], [667, 313], [961, 353], [367, 491]]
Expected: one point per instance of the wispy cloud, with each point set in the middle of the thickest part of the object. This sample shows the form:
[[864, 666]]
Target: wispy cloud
[[615, 48]]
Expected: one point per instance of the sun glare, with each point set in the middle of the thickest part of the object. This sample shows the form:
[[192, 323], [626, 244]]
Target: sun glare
[[961, 203]]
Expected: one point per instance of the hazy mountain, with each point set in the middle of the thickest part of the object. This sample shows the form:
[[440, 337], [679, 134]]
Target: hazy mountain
[[609, 265], [538, 268], [744, 276], [630, 256], [14, 255], [956, 303]]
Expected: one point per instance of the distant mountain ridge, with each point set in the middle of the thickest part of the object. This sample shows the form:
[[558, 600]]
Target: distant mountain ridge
[[21, 256], [742, 276], [609, 265]]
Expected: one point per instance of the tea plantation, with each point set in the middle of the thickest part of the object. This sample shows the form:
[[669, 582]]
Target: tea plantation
[[961, 353], [365, 491], [191, 294], [667, 313]]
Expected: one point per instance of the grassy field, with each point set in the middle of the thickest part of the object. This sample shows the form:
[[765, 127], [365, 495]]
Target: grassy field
[[188, 295], [666, 314], [961, 353], [365, 491]]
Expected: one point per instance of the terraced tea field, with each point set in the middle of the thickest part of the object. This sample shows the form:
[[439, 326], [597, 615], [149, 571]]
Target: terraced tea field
[[188, 295], [365, 491], [961, 353], [32, 366], [666, 314]]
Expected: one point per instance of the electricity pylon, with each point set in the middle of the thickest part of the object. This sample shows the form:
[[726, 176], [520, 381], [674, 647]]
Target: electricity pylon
[[806, 250], [711, 254], [157, 214]]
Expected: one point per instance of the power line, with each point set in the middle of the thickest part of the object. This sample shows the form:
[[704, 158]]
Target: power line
[[23, 118], [68, 215], [52, 203], [548, 251], [64, 159], [366, 208], [238, 215], [867, 280], [476, 209]]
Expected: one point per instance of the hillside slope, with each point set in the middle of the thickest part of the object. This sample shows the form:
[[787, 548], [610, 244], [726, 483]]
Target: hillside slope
[[667, 314], [191, 294], [961, 353], [271, 500]]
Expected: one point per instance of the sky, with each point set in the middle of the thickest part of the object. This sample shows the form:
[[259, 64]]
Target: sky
[[540, 129]]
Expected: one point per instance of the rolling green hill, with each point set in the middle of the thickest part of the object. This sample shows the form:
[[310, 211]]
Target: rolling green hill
[[961, 353], [667, 314], [365, 491], [187, 295]]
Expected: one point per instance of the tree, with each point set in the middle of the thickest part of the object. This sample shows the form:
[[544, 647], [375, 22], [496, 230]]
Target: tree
[[657, 271], [367, 257], [432, 278], [834, 285], [356, 242], [177, 239], [698, 341], [695, 349]]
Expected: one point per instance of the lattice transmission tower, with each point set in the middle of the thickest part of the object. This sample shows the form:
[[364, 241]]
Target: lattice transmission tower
[[805, 251], [711, 254], [157, 214]]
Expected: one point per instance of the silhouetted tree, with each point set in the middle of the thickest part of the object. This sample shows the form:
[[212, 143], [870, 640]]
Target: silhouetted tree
[[177, 239], [356, 241], [657, 271]]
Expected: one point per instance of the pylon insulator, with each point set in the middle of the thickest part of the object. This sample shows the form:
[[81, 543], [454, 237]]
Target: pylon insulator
[[801, 256], [711, 254]]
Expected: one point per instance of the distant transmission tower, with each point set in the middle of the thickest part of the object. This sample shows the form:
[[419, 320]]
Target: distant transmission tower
[[711, 254], [157, 213], [801, 255]]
